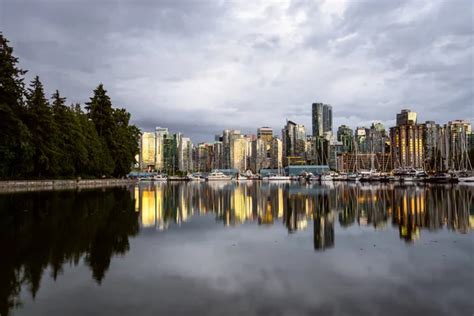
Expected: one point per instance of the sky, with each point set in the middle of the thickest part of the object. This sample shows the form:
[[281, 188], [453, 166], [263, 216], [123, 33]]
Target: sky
[[199, 67]]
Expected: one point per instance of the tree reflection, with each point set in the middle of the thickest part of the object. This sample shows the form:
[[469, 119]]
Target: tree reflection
[[50, 229]]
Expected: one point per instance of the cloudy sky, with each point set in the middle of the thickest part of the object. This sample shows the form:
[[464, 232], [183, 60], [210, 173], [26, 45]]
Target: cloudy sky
[[199, 67]]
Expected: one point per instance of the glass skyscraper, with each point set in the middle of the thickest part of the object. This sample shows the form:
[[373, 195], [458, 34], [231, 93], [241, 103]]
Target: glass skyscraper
[[322, 119]]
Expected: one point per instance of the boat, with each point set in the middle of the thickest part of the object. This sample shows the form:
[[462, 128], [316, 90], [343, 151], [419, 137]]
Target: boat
[[177, 178], [326, 177], [195, 177], [216, 175], [366, 175], [241, 177], [340, 177], [276, 177], [465, 176], [442, 177], [313, 178], [353, 177], [160, 177]]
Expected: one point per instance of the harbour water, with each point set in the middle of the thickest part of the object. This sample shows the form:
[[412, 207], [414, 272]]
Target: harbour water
[[226, 248]]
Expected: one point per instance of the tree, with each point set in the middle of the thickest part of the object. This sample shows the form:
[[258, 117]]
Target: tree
[[114, 130], [40, 121], [125, 142], [15, 139], [98, 159], [66, 141]]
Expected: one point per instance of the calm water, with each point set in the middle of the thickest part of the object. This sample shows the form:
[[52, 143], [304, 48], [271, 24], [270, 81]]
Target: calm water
[[239, 249]]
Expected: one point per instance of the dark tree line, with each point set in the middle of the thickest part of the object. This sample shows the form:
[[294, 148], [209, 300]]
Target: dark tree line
[[46, 138]]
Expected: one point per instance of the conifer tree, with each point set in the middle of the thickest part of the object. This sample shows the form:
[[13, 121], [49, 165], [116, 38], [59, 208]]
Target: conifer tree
[[40, 121], [15, 139]]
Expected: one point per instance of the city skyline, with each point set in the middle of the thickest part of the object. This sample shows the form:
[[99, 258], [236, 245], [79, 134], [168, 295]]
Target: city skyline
[[245, 65], [308, 128]]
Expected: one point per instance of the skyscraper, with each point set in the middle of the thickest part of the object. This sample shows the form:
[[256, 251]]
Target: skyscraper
[[294, 141], [346, 136], [321, 118], [147, 151], [407, 141]]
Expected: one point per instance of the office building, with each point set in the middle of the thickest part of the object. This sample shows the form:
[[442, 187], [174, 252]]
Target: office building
[[321, 119], [407, 141]]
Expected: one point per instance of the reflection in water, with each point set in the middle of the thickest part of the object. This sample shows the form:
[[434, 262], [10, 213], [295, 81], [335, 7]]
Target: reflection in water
[[294, 205], [51, 229]]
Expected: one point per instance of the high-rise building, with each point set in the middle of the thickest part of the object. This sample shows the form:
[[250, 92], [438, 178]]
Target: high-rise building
[[227, 136], [151, 149], [277, 153], [185, 151], [266, 134], [238, 153], [170, 153], [431, 139], [376, 137], [321, 119], [147, 151], [161, 133], [361, 139], [346, 135], [407, 141], [294, 142], [259, 155], [406, 117], [457, 143]]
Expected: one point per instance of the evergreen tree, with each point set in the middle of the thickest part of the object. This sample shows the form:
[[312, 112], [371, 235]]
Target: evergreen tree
[[112, 125], [40, 121], [126, 139], [15, 139], [66, 141], [98, 161]]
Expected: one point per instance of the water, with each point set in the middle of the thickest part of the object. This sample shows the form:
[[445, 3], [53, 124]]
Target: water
[[239, 249]]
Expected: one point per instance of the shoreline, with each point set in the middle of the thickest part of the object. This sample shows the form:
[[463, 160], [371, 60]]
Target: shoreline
[[49, 185]]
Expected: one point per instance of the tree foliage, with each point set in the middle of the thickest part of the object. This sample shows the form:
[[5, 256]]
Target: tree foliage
[[49, 139]]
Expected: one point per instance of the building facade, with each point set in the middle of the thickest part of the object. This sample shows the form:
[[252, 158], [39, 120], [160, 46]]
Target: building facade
[[407, 141], [321, 119]]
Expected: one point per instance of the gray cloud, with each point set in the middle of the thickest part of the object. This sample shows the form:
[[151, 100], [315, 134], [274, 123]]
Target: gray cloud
[[199, 66]]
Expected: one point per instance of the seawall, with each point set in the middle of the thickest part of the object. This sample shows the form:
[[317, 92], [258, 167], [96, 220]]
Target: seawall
[[46, 185]]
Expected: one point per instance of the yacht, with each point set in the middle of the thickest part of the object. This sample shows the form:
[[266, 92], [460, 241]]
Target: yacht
[[160, 177], [326, 177], [340, 177], [276, 177], [353, 177], [241, 177], [195, 177], [465, 176], [216, 175]]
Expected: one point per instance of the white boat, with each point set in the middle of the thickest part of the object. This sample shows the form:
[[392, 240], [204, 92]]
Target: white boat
[[340, 177], [241, 177], [326, 177], [216, 175], [276, 177], [465, 176], [160, 177], [353, 177], [195, 177]]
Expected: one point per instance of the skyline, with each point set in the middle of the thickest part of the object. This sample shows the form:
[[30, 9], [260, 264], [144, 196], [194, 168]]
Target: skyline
[[243, 65]]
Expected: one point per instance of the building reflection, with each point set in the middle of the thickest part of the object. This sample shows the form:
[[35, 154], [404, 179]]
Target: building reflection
[[408, 208]]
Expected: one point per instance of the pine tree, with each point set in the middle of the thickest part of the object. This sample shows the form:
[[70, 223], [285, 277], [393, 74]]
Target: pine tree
[[99, 160], [15, 139], [40, 121], [66, 141]]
